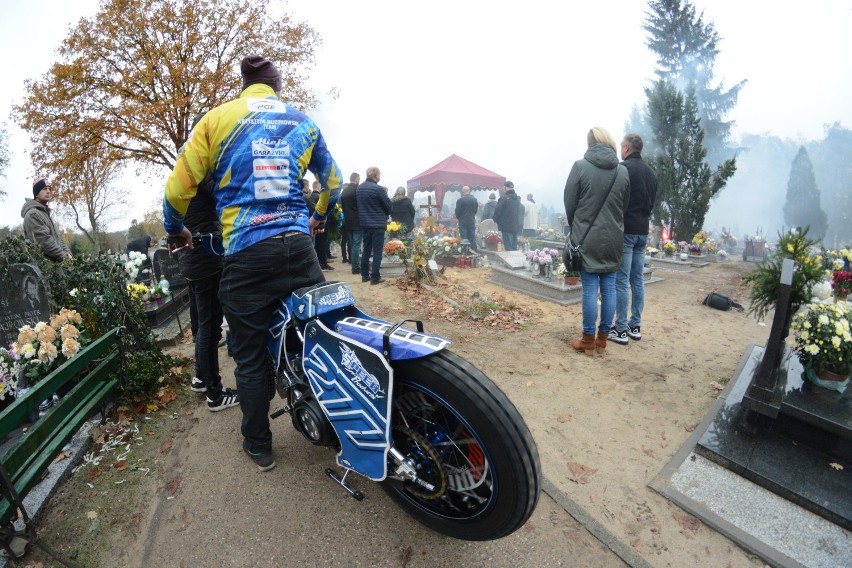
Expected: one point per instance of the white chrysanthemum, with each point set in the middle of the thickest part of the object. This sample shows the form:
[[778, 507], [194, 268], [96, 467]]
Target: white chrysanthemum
[[835, 341], [822, 290], [823, 319], [812, 349], [805, 335]]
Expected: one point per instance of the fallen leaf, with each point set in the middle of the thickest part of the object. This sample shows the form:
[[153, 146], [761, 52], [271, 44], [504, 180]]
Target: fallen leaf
[[564, 418], [166, 446], [579, 473], [837, 466], [716, 386], [93, 473], [174, 484], [121, 465], [688, 523], [62, 456], [529, 383], [92, 515], [689, 427]]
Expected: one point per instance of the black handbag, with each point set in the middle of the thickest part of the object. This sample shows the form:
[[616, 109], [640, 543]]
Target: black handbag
[[571, 255]]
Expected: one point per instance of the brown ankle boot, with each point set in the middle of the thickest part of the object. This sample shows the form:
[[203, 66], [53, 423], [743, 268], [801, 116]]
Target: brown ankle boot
[[587, 344], [600, 342]]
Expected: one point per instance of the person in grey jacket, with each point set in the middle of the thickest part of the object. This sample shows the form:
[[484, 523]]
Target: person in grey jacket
[[374, 207], [587, 191], [39, 227]]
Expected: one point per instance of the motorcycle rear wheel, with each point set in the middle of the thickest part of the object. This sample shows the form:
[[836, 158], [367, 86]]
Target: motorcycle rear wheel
[[489, 458]]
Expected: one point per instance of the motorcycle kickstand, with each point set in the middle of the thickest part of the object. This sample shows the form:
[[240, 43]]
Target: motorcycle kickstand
[[341, 481]]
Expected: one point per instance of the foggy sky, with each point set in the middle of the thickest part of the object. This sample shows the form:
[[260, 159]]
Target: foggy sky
[[512, 87]]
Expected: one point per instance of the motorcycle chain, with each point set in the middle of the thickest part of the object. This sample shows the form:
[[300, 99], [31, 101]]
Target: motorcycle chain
[[432, 454]]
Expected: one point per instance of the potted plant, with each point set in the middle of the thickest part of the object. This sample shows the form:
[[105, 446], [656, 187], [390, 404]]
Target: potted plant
[[823, 342], [766, 278], [492, 240], [572, 278], [397, 248], [841, 283], [669, 248]]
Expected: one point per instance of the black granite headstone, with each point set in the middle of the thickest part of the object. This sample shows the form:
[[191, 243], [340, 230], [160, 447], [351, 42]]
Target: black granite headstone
[[166, 266], [24, 301]]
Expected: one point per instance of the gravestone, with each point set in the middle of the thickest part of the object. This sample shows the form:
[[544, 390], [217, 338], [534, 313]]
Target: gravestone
[[24, 301], [166, 266], [514, 259], [486, 226]]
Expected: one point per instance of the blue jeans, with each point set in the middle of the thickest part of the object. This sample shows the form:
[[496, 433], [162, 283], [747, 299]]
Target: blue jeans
[[355, 238], [468, 232], [591, 282], [374, 245], [253, 283], [630, 272], [510, 240], [205, 292]]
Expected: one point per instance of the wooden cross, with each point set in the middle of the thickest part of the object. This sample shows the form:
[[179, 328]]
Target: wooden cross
[[429, 206], [430, 220]]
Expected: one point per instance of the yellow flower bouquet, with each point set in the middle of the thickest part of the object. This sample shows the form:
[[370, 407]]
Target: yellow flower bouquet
[[822, 340]]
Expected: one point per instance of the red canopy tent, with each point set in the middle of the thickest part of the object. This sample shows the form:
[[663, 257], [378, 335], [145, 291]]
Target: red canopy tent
[[451, 175]]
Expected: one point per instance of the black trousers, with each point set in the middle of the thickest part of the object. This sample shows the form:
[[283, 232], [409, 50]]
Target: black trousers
[[253, 283]]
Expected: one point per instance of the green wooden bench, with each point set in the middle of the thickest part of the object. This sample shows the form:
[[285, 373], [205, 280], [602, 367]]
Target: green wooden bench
[[91, 371]]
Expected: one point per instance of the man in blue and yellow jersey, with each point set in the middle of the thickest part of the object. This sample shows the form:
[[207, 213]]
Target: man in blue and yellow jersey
[[257, 149]]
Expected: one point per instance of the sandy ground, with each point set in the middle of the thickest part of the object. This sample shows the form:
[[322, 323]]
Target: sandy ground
[[604, 425]]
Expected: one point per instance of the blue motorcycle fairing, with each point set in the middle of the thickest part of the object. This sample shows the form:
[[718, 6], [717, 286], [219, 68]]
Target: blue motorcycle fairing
[[404, 343], [321, 298], [275, 341], [354, 385]]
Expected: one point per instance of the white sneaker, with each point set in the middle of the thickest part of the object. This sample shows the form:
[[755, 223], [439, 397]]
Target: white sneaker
[[197, 385]]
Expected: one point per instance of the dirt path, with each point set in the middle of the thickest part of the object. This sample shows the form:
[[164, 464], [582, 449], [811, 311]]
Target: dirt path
[[605, 426]]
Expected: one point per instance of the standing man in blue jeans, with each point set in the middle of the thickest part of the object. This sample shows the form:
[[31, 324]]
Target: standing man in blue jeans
[[257, 149], [643, 192], [374, 207]]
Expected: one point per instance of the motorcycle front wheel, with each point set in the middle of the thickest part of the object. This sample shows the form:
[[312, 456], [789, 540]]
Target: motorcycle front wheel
[[469, 444]]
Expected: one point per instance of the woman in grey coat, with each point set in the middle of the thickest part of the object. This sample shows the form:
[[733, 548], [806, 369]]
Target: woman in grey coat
[[587, 191]]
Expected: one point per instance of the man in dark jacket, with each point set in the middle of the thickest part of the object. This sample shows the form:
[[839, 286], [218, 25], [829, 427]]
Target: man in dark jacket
[[643, 192], [39, 227], [466, 208], [489, 207], [374, 206], [351, 221], [508, 215]]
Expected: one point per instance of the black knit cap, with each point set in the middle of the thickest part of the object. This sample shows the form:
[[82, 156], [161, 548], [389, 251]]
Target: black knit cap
[[256, 69], [38, 185]]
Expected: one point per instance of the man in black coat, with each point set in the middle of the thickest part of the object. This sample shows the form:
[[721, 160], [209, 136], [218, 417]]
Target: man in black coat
[[643, 192], [374, 207], [351, 221], [466, 208], [508, 216]]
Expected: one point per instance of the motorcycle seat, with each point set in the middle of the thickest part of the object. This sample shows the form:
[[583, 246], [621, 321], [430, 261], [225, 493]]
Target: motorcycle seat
[[321, 298]]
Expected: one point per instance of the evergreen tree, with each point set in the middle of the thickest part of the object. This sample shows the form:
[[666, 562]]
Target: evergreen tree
[[685, 183], [686, 49], [803, 208], [832, 162]]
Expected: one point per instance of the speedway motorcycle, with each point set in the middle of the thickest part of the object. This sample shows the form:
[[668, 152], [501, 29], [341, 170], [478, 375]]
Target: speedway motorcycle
[[403, 410]]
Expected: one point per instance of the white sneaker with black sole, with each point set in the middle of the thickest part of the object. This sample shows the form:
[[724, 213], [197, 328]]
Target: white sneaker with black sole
[[634, 333], [197, 385], [228, 399], [619, 337]]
